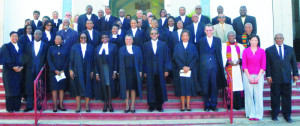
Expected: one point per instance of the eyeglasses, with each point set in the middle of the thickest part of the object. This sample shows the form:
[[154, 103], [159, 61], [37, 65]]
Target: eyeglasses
[[153, 34], [82, 37], [279, 38], [221, 17], [198, 8]]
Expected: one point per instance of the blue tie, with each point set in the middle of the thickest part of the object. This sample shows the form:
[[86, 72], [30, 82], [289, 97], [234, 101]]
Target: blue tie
[[280, 53]]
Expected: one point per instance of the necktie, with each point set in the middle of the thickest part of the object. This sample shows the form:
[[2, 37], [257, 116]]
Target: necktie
[[280, 53]]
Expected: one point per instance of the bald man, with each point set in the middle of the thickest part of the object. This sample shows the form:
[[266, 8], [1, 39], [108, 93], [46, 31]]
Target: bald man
[[87, 16]]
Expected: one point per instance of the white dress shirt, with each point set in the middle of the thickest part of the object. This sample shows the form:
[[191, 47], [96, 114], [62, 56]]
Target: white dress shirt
[[16, 46], [55, 21], [209, 40], [185, 44], [129, 49], [30, 37], [243, 19], [37, 46], [199, 19], [48, 35], [89, 16], [91, 33], [107, 17], [195, 30], [122, 19], [282, 50], [154, 45], [134, 31], [83, 49], [182, 18], [36, 22], [75, 26], [105, 48], [163, 19], [179, 33], [171, 28]]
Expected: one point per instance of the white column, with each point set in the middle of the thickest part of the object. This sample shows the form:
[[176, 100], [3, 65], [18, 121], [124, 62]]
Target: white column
[[283, 20], [1, 21]]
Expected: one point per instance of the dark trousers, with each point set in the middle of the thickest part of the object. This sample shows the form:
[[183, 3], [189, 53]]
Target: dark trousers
[[210, 98], [13, 103], [158, 94], [283, 90]]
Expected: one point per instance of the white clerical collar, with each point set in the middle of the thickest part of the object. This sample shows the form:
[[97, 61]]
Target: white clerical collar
[[129, 49]]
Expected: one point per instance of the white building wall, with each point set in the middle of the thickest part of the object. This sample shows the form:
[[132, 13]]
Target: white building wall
[[1, 21], [172, 6], [78, 6]]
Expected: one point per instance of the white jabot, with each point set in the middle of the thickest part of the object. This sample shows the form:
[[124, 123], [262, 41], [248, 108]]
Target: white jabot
[[48, 35], [122, 19], [282, 50], [107, 17], [75, 26], [30, 37], [105, 48], [179, 33], [91, 33], [171, 28], [154, 45], [199, 19], [36, 22], [55, 21], [185, 44], [37, 45], [16, 46], [83, 49], [129, 49], [119, 32], [182, 18], [133, 31], [209, 40], [163, 19], [195, 30], [89, 16], [114, 36]]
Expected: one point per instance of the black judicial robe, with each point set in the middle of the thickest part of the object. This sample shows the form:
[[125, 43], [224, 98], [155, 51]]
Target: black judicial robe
[[173, 41], [186, 22], [45, 38], [138, 39], [56, 26], [186, 57], [82, 22], [126, 23], [119, 41], [199, 34], [164, 64], [82, 84], [203, 49], [34, 27], [33, 64], [23, 40], [204, 20], [58, 59], [106, 26], [160, 23], [70, 37], [96, 38], [138, 62], [100, 91], [11, 79], [163, 35], [20, 31]]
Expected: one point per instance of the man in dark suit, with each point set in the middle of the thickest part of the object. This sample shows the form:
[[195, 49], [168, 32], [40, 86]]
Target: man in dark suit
[[93, 35], [211, 70], [69, 35], [36, 22], [84, 17], [220, 10], [201, 18], [55, 21], [196, 29], [35, 56], [162, 22], [107, 21], [145, 24], [281, 61], [244, 39], [185, 19], [125, 22], [239, 22]]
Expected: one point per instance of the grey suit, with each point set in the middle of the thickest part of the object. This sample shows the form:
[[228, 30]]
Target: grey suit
[[222, 33]]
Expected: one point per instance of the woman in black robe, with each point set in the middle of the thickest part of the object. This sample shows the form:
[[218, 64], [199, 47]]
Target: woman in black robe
[[130, 69], [186, 58], [12, 76], [80, 68], [48, 33], [58, 60], [106, 62]]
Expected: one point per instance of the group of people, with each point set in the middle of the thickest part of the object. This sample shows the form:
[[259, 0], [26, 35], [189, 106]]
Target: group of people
[[106, 57]]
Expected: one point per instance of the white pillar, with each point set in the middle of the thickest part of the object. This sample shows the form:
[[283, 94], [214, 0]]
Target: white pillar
[[1, 21], [283, 20]]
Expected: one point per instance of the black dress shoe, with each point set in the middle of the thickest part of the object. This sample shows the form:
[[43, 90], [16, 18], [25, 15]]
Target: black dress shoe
[[111, 109], [132, 111], [182, 110], [214, 109], [206, 109], [189, 110], [104, 109], [88, 110], [77, 111], [62, 109], [289, 120], [274, 118], [151, 109], [28, 109], [10, 111], [126, 111], [54, 110]]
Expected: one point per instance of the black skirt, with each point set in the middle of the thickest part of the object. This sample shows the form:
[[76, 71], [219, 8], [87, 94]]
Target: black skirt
[[131, 78]]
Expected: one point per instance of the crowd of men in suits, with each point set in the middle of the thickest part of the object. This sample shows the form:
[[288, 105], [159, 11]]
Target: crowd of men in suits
[[158, 41]]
